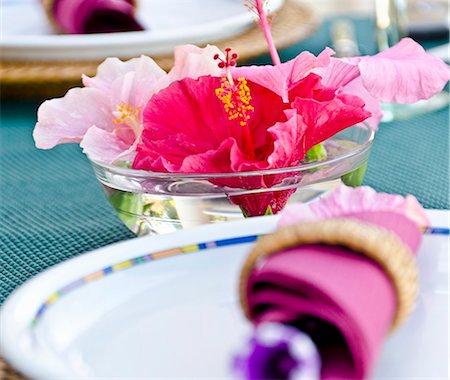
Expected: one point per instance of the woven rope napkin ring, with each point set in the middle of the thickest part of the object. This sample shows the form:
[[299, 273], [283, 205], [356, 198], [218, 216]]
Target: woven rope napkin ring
[[377, 243]]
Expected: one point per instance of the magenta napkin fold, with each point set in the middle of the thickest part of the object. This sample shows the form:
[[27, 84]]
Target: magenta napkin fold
[[94, 16], [343, 300]]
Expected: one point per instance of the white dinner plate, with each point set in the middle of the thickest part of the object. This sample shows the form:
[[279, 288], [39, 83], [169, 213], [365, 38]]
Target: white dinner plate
[[125, 311], [27, 35]]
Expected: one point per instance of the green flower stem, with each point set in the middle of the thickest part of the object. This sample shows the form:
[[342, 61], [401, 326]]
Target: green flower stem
[[355, 177], [267, 212], [316, 153], [129, 206]]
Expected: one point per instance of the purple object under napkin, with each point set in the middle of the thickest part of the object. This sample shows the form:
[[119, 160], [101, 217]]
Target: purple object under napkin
[[277, 351], [343, 300], [95, 16]]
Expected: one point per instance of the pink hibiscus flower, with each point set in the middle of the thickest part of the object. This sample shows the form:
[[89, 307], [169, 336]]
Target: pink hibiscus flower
[[226, 125], [105, 116], [405, 73]]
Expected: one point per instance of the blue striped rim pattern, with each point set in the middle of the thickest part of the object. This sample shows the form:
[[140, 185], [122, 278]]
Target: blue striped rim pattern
[[118, 267], [437, 230]]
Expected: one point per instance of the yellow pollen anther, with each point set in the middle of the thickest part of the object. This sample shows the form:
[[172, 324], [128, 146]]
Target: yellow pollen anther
[[236, 99], [127, 116]]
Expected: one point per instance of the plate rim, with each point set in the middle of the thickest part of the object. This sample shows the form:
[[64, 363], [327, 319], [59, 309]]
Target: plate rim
[[16, 314], [11, 329], [14, 46]]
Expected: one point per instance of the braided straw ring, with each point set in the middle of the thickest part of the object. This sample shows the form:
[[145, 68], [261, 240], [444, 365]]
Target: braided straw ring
[[378, 244]]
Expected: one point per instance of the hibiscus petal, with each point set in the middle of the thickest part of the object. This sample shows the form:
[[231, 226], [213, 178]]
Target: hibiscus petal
[[67, 119], [104, 146], [149, 78], [310, 87], [135, 87], [260, 204], [212, 161], [326, 118], [147, 159], [302, 65], [123, 89], [113, 68], [280, 78], [372, 105], [348, 200], [338, 73], [405, 73], [188, 107], [287, 137], [193, 62], [110, 69], [153, 154]]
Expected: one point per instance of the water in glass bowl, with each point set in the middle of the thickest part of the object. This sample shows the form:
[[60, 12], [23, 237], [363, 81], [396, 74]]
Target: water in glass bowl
[[156, 203]]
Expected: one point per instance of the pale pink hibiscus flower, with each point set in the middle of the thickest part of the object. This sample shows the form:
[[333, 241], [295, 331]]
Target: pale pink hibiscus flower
[[105, 116], [347, 201]]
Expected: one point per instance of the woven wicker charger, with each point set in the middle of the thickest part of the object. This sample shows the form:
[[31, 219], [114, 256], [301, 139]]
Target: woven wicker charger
[[19, 80], [7, 373]]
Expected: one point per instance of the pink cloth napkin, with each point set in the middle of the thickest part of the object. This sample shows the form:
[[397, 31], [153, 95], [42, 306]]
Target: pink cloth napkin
[[343, 300], [95, 16]]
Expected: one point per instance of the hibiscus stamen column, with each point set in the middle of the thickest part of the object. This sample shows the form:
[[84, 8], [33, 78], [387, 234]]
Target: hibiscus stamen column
[[129, 116], [236, 98]]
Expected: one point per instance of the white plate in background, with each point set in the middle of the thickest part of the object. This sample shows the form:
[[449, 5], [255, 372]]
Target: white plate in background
[[179, 317], [27, 36]]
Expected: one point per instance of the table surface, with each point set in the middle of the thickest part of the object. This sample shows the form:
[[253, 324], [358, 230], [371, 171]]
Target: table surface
[[52, 207]]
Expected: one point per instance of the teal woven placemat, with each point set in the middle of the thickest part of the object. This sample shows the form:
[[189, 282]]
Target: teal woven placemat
[[412, 157], [52, 207]]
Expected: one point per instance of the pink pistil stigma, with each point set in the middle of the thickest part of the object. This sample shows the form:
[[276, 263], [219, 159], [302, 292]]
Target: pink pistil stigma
[[227, 63]]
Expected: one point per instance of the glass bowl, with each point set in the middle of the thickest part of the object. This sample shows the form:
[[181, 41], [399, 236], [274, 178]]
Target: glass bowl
[[155, 203]]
